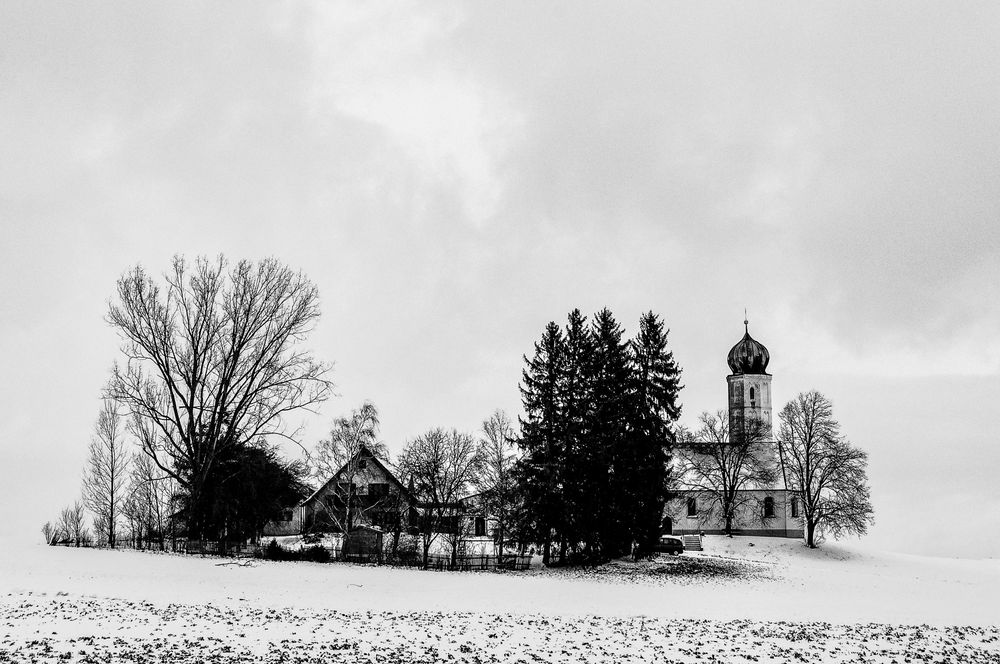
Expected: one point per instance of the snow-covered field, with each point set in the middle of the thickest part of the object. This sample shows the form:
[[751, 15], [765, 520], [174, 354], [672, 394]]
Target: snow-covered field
[[742, 600]]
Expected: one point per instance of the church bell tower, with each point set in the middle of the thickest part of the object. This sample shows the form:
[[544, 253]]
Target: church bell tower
[[749, 388]]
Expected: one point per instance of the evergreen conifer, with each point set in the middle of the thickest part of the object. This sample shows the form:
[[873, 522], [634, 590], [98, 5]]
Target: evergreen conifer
[[542, 438], [596, 435], [656, 385]]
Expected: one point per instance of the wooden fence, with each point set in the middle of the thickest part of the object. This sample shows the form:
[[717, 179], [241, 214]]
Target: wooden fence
[[214, 548], [468, 563], [439, 562]]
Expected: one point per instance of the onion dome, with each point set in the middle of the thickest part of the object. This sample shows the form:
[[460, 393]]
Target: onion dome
[[748, 356]]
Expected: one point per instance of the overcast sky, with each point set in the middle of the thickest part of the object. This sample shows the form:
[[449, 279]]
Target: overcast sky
[[453, 177]]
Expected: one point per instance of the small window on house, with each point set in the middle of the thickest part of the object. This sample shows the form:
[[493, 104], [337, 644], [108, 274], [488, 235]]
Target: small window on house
[[362, 464], [389, 520], [480, 526], [795, 506], [378, 489], [286, 515], [449, 524], [692, 507], [769, 507]]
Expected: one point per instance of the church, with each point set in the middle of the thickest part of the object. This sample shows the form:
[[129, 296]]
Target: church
[[763, 506]]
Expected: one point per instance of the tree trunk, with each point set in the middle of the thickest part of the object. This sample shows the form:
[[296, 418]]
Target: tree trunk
[[810, 533], [346, 526], [729, 525], [195, 524]]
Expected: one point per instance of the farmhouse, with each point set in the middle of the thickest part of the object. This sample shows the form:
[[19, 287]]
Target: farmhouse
[[366, 494], [763, 509]]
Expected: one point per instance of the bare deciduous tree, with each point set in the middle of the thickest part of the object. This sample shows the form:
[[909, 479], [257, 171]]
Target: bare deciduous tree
[[442, 466], [150, 502], [72, 524], [106, 475], [497, 481], [342, 453], [213, 361], [723, 466], [48, 532], [133, 518], [101, 529], [827, 473]]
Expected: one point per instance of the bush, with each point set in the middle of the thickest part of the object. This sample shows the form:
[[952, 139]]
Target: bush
[[274, 551], [316, 554]]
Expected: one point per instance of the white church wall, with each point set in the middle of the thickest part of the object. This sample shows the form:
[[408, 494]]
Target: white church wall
[[749, 518]]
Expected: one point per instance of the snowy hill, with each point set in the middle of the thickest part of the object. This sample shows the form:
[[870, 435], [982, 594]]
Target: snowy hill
[[784, 581], [739, 585]]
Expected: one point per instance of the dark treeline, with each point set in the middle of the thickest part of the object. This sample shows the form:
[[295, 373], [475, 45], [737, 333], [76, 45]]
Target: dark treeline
[[596, 437]]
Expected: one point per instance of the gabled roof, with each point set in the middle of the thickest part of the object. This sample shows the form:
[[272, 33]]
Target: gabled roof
[[369, 456]]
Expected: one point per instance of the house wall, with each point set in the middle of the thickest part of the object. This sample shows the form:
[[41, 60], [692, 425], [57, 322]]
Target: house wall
[[749, 517], [292, 526]]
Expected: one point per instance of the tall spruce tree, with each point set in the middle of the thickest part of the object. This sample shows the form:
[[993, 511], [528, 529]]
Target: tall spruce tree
[[656, 378], [597, 435], [578, 495], [541, 469], [610, 458]]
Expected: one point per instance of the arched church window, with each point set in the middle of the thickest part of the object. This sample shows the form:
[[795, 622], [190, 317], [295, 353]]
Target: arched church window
[[692, 507], [769, 507], [752, 397]]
